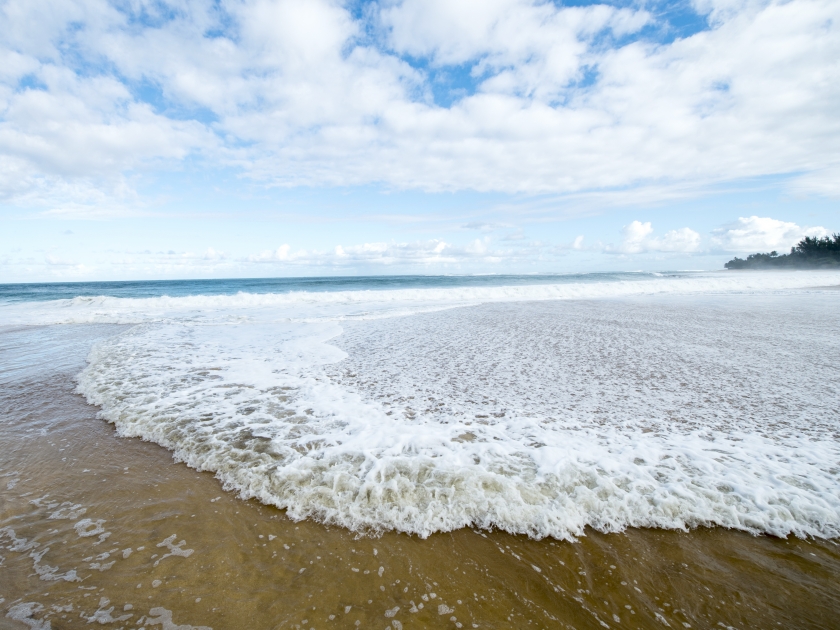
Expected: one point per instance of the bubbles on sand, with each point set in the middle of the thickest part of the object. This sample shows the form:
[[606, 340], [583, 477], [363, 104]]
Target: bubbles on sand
[[174, 549]]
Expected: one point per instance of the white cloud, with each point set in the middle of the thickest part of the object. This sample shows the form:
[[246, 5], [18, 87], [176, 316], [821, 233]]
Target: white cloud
[[281, 253], [478, 247], [300, 92], [824, 181], [432, 255], [762, 234], [528, 48], [212, 254], [429, 252], [517, 235], [482, 226], [683, 240], [637, 239]]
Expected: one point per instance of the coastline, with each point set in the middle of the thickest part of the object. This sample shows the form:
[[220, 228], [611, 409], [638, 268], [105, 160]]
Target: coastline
[[81, 497]]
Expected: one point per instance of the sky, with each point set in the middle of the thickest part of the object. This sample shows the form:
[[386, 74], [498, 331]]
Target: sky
[[146, 139]]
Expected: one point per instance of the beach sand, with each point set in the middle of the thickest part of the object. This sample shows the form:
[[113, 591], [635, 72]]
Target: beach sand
[[96, 529]]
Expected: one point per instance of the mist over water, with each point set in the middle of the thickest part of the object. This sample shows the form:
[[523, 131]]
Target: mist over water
[[533, 406]]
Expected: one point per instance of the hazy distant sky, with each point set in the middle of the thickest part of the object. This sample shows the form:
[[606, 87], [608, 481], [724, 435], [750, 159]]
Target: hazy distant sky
[[174, 139]]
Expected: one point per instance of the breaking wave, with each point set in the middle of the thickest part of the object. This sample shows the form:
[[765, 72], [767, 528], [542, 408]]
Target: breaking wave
[[537, 410]]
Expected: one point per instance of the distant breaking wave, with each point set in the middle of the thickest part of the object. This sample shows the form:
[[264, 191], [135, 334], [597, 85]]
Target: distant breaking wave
[[341, 304]]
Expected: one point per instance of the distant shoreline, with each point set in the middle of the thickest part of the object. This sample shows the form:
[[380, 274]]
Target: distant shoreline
[[810, 253]]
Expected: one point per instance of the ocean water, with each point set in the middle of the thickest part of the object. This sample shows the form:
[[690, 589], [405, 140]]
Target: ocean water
[[538, 405]]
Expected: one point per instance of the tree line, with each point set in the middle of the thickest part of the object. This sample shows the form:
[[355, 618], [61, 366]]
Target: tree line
[[809, 253]]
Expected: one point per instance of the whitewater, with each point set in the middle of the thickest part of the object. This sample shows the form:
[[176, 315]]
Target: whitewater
[[638, 400]]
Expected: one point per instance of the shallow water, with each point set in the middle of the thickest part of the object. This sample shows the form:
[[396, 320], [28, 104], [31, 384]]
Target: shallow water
[[91, 528], [541, 418]]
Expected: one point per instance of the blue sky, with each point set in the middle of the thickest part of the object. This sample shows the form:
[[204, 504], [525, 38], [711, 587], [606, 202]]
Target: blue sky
[[170, 139]]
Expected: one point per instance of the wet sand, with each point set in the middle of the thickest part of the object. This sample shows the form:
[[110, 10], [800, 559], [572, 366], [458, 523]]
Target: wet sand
[[91, 531]]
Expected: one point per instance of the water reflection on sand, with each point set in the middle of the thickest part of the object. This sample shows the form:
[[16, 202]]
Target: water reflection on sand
[[95, 529]]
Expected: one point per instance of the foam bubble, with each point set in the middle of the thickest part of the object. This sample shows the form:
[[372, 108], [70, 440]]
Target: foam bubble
[[25, 612], [525, 418]]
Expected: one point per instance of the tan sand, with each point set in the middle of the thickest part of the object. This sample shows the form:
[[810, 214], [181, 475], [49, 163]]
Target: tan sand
[[99, 531]]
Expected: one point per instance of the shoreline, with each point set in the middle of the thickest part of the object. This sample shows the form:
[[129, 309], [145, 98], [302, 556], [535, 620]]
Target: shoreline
[[82, 497]]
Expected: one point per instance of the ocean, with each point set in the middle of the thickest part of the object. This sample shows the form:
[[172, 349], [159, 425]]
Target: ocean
[[570, 414]]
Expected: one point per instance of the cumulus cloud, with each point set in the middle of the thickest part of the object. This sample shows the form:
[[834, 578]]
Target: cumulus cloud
[[682, 240], [551, 99], [762, 234], [519, 45], [429, 252], [637, 238], [212, 254], [431, 255], [279, 254]]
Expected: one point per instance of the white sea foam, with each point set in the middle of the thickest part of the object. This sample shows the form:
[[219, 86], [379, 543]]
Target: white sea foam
[[538, 418]]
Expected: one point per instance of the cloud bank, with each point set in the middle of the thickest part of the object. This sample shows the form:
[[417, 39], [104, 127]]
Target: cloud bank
[[638, 238], [495, 252], [762, 234]]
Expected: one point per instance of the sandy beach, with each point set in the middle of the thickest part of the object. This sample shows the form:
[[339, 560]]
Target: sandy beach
[[408, 314], [99, 529]]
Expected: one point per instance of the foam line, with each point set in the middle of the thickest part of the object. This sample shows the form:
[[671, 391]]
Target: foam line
[[540, 418]]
